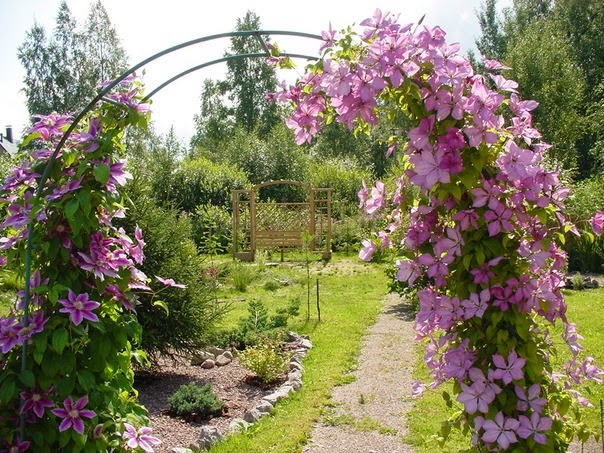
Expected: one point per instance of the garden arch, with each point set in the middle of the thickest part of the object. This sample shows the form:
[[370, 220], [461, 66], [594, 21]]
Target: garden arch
[[281, 224], [253, 34]]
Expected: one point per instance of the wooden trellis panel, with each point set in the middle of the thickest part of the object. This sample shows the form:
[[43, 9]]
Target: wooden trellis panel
[[272, 225]]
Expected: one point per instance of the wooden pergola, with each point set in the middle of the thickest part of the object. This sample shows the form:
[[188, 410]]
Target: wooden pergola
[[281, 225]]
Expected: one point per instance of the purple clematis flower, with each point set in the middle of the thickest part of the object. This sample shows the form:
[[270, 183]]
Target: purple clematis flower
[[36, 401], [17, 446], [79, 307], [140, 438], [72, 414], [10, 333], [530, 399]]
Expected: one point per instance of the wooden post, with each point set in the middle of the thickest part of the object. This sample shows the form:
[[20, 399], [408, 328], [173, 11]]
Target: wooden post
[[311, 204], [318, 305], [253, 222], [235, 220]]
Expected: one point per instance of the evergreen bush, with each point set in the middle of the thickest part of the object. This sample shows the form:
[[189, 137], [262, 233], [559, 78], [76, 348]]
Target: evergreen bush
[[191, 399]]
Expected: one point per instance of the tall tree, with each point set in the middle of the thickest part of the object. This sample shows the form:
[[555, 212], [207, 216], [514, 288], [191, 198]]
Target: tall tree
[[66, 53], [249, 80], [36, 60], [542, 65], [239, 101], [105, 56], [215, 121], [492, 43], [63, 70]]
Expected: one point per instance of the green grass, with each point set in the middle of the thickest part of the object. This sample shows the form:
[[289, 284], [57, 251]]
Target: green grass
[[585, 308], [351, 294]]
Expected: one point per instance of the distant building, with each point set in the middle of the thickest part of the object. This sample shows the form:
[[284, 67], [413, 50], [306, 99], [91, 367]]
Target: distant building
[[7, 143]]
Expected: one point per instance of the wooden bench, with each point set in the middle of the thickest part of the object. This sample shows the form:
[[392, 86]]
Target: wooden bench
[[279, 239]]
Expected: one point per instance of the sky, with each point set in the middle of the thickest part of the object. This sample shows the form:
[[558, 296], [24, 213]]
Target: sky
[[146, 28]]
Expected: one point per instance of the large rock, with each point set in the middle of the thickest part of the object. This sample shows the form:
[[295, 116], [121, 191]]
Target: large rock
[[279, 394], [208, 364], [305, 343], [237, 425], [252, 415], [209, 435], [181, 450], [216, 350], [201, 357], [264, 407], [223, 360]]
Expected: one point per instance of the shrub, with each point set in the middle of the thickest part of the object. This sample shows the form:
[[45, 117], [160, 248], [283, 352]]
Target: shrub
[[201, 182], [190, 399], [344, 176], [577, 282], [257, 325], [212, 226], [170, 252], [272, 285], [584, 255], [267, 360]]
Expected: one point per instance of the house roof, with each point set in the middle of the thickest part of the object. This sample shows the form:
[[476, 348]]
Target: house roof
[[7, 146]]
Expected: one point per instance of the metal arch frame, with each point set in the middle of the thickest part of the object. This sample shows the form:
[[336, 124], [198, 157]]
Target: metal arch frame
[[257, 34]]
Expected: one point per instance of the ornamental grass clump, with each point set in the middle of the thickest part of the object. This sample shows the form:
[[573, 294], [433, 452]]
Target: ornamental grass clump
[[483, 235]]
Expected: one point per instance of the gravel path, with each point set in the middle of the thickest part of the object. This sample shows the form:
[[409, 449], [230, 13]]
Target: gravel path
[[368, 415]]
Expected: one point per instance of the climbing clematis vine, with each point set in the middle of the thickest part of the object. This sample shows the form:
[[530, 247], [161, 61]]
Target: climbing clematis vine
[[479, 218], [73, 330]]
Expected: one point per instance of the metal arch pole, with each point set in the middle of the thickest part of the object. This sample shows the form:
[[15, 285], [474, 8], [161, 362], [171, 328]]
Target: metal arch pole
[[220, 60]]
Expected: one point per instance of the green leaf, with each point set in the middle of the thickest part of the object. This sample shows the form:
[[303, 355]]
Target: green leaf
[[467, 259], [104, 345], [8, 390], [162, 304], [86, 379], [71, 208], [60, 338], [101, 173], [84, 198], [28, 378], [29, 138]]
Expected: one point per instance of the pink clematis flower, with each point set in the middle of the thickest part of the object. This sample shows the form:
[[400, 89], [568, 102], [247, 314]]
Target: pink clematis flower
[[139, 439], [510, 371], [535, 426], [170, 282], [369, 248], [501, 430], [597, 223], [79, 307], [72, 414]]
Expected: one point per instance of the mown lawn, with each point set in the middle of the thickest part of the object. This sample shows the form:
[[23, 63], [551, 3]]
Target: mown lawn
[[351, 293], [585, 308]]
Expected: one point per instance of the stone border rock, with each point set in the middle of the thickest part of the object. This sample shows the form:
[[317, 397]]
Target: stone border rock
[[216, 356]]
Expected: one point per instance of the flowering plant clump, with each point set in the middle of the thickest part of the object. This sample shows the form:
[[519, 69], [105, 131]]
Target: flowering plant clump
[[483, 232], [66, 378]]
